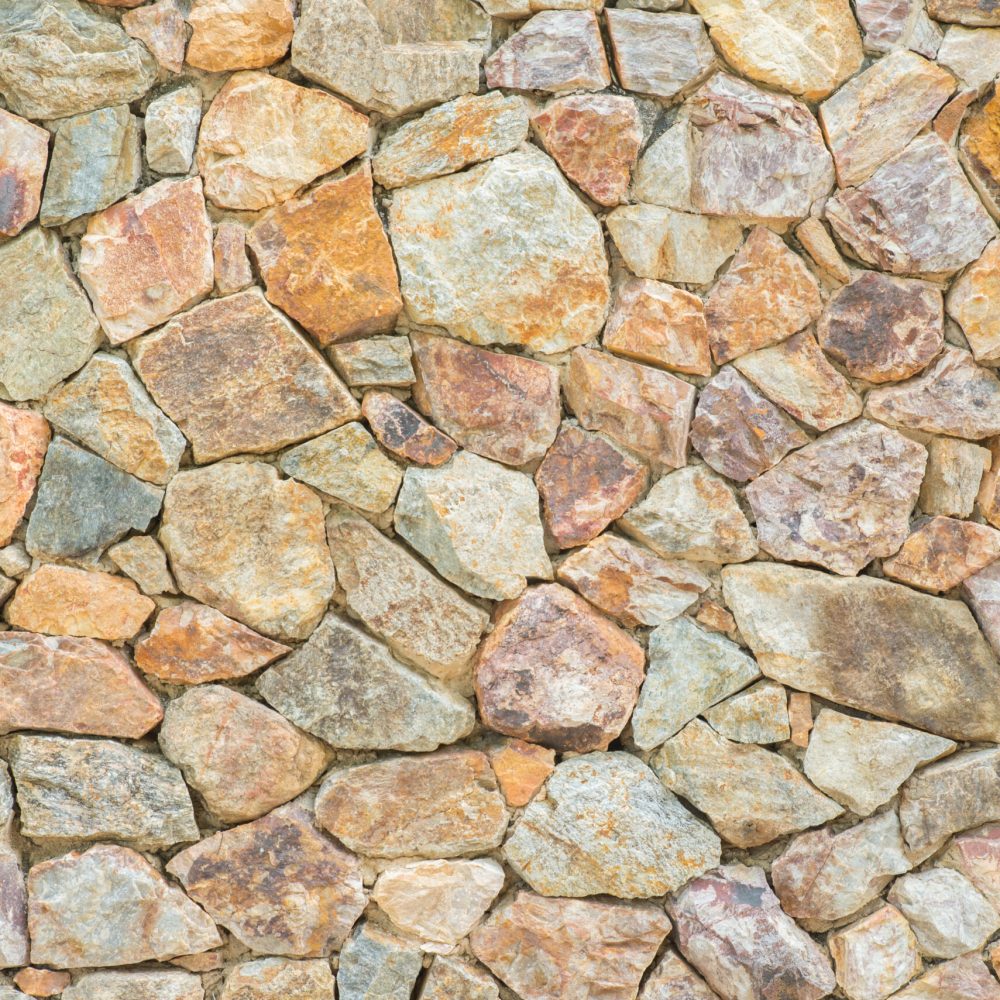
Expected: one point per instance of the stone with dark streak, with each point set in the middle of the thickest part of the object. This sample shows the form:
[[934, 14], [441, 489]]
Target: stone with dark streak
[[404, 432]]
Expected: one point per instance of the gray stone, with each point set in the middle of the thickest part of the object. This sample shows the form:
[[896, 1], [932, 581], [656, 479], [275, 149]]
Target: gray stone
[[455, 979], [757, 715], [374, 361], [607, 826], [96, 160], [143, 984], [172, 122], [99, 790], [85, 503], [279, 979], [14, 942], [377, 966], [663, 174]]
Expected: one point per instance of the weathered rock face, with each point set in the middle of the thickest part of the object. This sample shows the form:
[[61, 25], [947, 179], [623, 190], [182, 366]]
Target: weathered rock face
[[43, 982], [672, 977], [971, 12], [972, 302], [303, 902], [965, 976], [451, 977], [515, 256], [264, 138], [142, 560], [543, 947], [143, 984], [438, 805], [977, 153], [24, 439], [278, 978], [14, 943], [250, 545], [872, 645], [241, 35], [26, 150], [403, 432], [888, 23], [982, 591], [161, 27], [954, 472], [976, 855], [876, 955], [374, 961], [942, 552], [758, 714], [171, 125], [229, 254], [381, 360], [521, 769], [108, 906]]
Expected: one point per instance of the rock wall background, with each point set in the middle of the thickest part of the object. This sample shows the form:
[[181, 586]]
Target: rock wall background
[[499, 499]]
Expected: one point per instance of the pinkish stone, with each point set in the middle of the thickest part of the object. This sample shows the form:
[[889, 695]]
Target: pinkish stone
[[976, 854], [942, 552], [876, 955], [24, 439], [25, 156], [404, 432], [966, 978], [162, 29], [229, 252]]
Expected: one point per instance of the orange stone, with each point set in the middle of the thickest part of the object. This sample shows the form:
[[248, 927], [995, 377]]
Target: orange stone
[[978, 150], [716, 617], [41, 982], [521, 769], [229, 251], [239, 34], [404, 432], [325, 260], [24, 438], [800, 717], [22, 169], [942, 552]]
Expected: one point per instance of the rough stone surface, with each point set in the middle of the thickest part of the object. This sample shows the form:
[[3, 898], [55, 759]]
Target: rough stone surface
[[403, 432], [141, 984], [972, 303], [976, 855], [142, 560], [171, 124], [876, 955], [239, 34], [521, 769], [758, 714], [24, 439], [26, 150], [375, 360], [279, 979], [375, 964], [982, 591], [888, 23], [673, 979], [453, 977], [976, 151], [942, 552], [966, 977], [14, 943], [229, 255], [42, 982], [161, 27]]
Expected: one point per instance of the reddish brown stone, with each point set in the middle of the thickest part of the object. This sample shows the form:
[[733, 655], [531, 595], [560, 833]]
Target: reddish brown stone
[[25, 156], [595, 139], [800, 717], [715, 617], [659, 324], [585, 483], [325, 260], [974, 303], [521, 769], [766, 295], [942, 552], [41, 982], [24, 439], [977, 145], [229, 251], [950, 117], [66, 685], [555, 672], [404, 432]]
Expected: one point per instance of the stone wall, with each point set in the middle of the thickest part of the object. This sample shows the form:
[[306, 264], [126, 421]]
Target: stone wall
[[499, 499]]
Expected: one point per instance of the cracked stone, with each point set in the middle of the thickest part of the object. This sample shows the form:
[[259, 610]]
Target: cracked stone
[[942, 552], [403, 432], [757, 715], [375, 360], [375, 964], [239, 34], [972, 303], [229, 254], [24, 439], [279, 979], [171, 125], [876, 955], [142, 560]]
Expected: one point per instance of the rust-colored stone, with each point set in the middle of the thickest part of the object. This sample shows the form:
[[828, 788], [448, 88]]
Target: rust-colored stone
[[41, 982], [239, 34], [24, 439], [974, 303], [942, 552], [404, 432], [977, 146], [25, 156], [521, 769], [800, 717], [950, 117]]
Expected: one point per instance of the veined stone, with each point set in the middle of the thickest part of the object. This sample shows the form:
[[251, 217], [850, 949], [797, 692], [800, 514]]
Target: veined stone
[[60, 58], [516, 257], [390, 59], [665, 170], [949, 119], [240, 756], [239, 34], [403, 432], [448, 978], [731, 928], [374, 963], [872, 645], [109, 906], [989, 489], [72, 790], [163, 30], [751, 796], [171, 126], [386, 361], [229, 254], [302, 901], [107, 408], [976, 855], [26, 154], [972, 55], [325, 261], [607, 826], [346, 688], [891, 23], [842, 500], [555, 672], [72, 685], [972, 303], [501, 406], [421, 618], [47, 329], [692, 514], [876, 955], [14, 944], [757, 715], [966, 977], [194, 644], [521, 769], [862, 763], [438, 805], [982, 591], [279, 979], [546, 949], [451, 136], [264, 138], [144, 562], [145, 984], [689, 670], [24, 439], [556, 51], [954, 471], [942, 552], [477, 523]]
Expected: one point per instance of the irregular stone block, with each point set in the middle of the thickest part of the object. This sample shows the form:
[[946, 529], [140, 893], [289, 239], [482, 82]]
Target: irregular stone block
[[521, 769], [142, 560], [972, 303], [376, 964], [965, 977], [888, 23], [245, 34], [876, 955], [976, 855], [43, 982], [279, 979], [14, 943], [451, 977], [977, 154], [161, 27], [972, 55], [673, 979], [757, 715], [973, 13], [26, 154], [942, 552], [403, 432], [229, 253], [24, 439], [982, 592], [144, 984], [171, 126], [665, 170], [374, 361]]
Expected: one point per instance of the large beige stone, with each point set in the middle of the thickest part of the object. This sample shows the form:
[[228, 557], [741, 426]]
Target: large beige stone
[[238, 34]]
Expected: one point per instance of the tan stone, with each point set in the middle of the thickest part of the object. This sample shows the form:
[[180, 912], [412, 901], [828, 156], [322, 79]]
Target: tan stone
[[974, 13], [954, 471], [386, 361], [977, 151], [950, 117], [976, 854], [229, 252], [24, 438], [521, 769], [972, 302], [203, 366], [41, 982], [665, 171], [279, 979], [876, 955], [800, 717], [404, 432], [716, 618], [989, 489], [264, 138], [161, 27], [25, 156], [966, 977], [818, 243], [142, 559], [942, 552], [148, 257], [889, 24], [673, 979], [238, 34], [758, 714], [982, 593], [448, 978], [60, 600]]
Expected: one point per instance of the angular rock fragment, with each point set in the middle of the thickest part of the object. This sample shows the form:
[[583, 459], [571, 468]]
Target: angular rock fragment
[[279, 979], [452, 977], [374, 361], [982, 592], [972, 55], [876, 955], [842, 500], [142, 560], [976, 855], [72, 685], [972, 302], [449, 137], [731, 928], [404, 432], [888, 23], [664, 172], [264, 138], [26, 153], [42, 982], [862, 763], [606, 825], [302, 901], [966, 977], [692, 514], [521, 769], [194, 644], [503, 253], [229, 254], [977, 151], [107, 408], [942, 552], [545, 948], [239, 34], [556, 51], [974, 13], [869, 644], [374, 963], [438, 805], [346, 688], [477, 524], [989, 488], [24, 439], [142, 984], [163, 30], [171, 126], [14, 944], [757, 715], [109, 906], [816, 240]]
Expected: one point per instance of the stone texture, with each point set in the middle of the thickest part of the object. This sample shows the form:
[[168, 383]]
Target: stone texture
[[477, 524], [42, 982], [14, 943], [374, 361], [403, 432], [109, 906], [692, 514], [375, 964], [521, 769], [26, 151], [107, 408], [966, 977], [731, 928], [279, 979], [606, 825], [163, 30], [876, 955], [142, 560], [942, 552], [438, 805], [565, 949], [665, 171], [757, 715], [84, 504], [673, 979], [891, 23], [239, 34], [73, 790], [556, 51], [171, 125], [976, 855], [141, 984], [24, 439], [818, 243], [194, 644], [70, 685], [982, 592], [972, 302], [302, 902], [862, 763], [422, 619], [60, 58], [450, 137], [977, 153], [972, 55], [346, 688], [452, 977], [47, 329], [881, 328], [229, 254], [871, 645], [325, 261], [842, 500], [989, 490], [975, 13]]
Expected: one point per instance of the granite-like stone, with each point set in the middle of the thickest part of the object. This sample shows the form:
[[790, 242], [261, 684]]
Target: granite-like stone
[[374, 361], [143, 561], [26, 153], [403, 432], [972, 303], [141, 984], [982, 592], [161, 27], [24, 439], [229, 255], [876, 955], [448, 978], [758, 714], [171, 126], [239, 34], [375, 964], [966, 977], [279, 979], [942, 552]]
